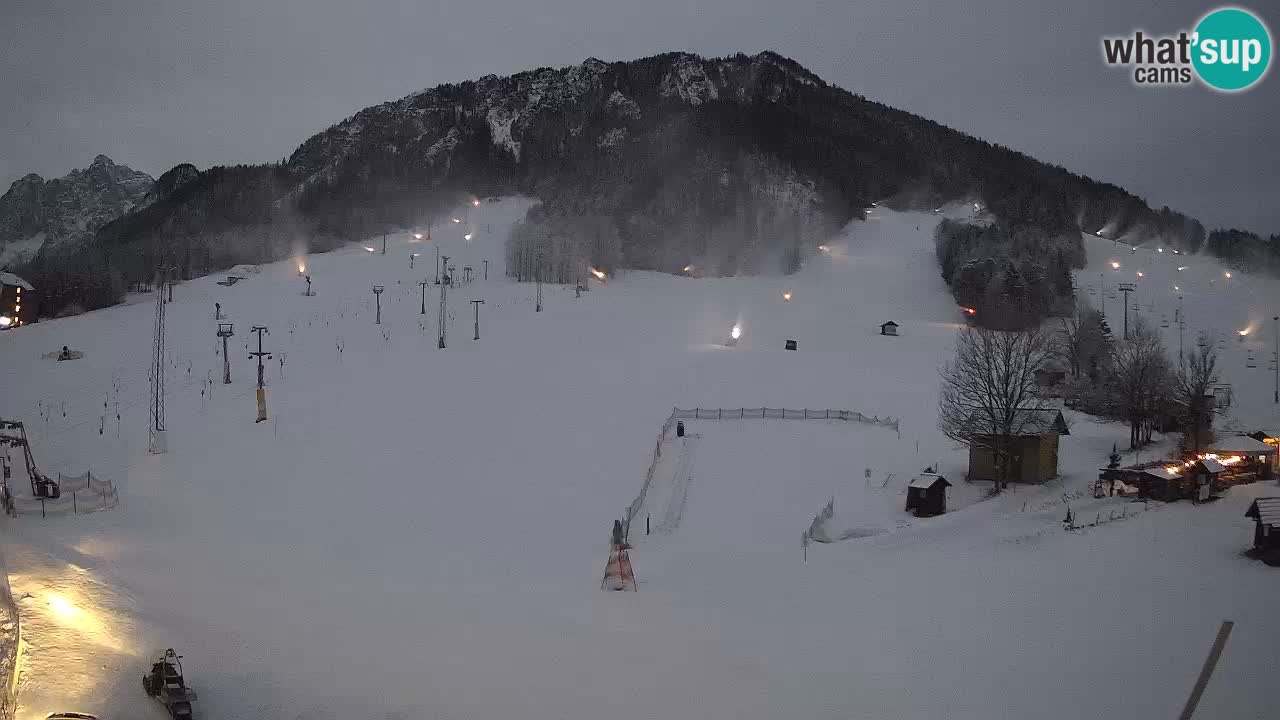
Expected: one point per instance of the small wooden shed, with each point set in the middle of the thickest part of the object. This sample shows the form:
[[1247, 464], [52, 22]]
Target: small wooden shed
[[1157, 482], [1265, 512], [1033, 453], [1206, 473], [889, 328], [927, 494]]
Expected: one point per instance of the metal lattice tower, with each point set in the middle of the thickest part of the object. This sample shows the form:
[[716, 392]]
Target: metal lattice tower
[[441, 321], [156, 443]]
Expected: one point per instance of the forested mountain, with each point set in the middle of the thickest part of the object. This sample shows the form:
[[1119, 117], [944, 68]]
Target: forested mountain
[[1246, 250], [739, 165]]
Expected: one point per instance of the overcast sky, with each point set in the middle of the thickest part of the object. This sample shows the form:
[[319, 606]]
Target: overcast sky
[[153, 83]]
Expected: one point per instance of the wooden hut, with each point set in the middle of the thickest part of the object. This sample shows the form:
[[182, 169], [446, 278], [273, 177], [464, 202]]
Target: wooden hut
[[1033, 452], [1050, 375], [889, 328], [1257, 459], [17, 301], [1265, 512], [1205, 478], [1157, 482], [927, 494]]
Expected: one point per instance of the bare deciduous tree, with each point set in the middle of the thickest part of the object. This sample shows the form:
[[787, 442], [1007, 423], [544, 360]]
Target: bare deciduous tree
[[1193, 383], [1137, 385], [989, 393], [1082, 340]]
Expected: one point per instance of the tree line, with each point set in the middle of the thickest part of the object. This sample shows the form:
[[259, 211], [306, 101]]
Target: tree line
[[992, 390]]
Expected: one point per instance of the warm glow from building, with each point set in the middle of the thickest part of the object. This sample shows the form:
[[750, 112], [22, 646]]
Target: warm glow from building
[[599, 275], [1115, 265], [786, 295]]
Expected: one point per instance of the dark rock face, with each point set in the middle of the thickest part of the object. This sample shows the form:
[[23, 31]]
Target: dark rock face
[[35, 214], [170, 182]]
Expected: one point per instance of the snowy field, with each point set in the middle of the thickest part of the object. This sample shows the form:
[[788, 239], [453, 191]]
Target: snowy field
[[418, 532]]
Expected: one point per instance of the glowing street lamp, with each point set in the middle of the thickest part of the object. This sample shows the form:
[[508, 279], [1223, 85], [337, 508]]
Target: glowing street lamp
[[467, 237], [475, 203], [786, 295], [417, 236], [1139, 273], [1227, 275], [1115, 265], [368, 249], [454, 219], [823, 248]]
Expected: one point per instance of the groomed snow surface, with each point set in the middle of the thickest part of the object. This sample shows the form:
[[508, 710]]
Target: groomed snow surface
[[419, 532]]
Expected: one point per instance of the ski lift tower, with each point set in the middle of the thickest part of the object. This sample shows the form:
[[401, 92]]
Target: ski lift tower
[[157, 443], [1126, 288]]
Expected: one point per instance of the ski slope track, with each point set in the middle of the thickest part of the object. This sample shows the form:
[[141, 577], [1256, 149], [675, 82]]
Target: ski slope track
[[418, 532]]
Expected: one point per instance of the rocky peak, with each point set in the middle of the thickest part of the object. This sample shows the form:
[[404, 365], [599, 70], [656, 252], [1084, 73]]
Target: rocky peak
[[35, 213]]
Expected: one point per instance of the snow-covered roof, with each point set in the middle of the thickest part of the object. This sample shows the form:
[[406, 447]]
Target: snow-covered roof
[[1212, 465], [1028, 422], [8, 278], [1159, 472], [1241, 444], [1265, 510], [926, 480]]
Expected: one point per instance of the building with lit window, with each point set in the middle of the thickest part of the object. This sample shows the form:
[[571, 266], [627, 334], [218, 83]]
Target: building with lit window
[[17, 301]]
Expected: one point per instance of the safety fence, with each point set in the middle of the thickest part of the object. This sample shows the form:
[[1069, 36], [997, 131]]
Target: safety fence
[[10, 642], [83, 493], [760, 413], [634, 508]]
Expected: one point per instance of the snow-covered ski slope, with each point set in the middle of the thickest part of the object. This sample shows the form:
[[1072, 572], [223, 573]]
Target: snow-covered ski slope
[[1218, 302], [419, 532]]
